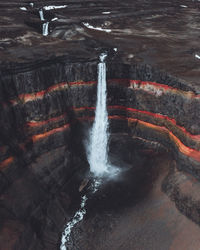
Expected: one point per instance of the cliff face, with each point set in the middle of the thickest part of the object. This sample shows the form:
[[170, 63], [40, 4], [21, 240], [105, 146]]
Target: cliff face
[[49, 100], [44, 112], [48, 97], [40, 151]]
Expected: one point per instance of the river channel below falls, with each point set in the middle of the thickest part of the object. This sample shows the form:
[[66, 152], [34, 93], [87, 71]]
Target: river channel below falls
[[132, 212]]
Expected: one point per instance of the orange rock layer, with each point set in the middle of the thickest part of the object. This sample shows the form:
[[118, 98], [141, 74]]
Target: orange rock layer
[[158, 116], [6, 162], [187, 151], [195, 154], [152, 87], [38, 137], [124, 108]]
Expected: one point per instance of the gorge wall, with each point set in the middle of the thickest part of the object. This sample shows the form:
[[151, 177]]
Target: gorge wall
[[48, 97], [46, 109]]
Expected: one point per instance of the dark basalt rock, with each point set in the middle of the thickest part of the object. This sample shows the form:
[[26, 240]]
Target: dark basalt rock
[[50, 162], [47, 101]]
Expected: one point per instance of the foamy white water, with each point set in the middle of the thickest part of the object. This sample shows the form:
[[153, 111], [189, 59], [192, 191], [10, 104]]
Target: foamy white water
[[77, 218], [45, 29], [98, 153], [41, 13], [98, 144], [78, 215]]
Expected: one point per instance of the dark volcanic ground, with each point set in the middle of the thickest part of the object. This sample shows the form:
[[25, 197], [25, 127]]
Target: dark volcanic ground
[[133, 213], [122, 216], [164, 34]]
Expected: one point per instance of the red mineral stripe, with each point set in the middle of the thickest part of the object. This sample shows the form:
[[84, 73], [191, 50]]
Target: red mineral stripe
[[6, 162], [41, 123], [159, 116], [40, 94], [117, 107], [192, 153], [38, 137]]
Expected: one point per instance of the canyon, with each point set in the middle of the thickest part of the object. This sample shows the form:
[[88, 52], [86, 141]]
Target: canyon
[[48, 87]]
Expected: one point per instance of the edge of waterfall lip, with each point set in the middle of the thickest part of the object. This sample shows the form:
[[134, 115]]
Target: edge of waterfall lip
[[103, 56]]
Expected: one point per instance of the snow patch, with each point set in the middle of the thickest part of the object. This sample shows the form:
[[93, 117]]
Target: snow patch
[[53, 7], [96, 28], [197, 56], [23, 8], [106, 12]]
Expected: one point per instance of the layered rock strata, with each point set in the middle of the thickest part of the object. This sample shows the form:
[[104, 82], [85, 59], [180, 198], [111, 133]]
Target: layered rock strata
[[48, 96], [44, 113]]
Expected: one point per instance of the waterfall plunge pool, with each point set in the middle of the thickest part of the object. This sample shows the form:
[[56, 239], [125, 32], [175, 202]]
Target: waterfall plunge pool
[[121, 209]]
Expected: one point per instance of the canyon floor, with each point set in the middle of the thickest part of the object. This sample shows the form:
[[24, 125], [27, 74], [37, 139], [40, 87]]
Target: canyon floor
[[133, 213]]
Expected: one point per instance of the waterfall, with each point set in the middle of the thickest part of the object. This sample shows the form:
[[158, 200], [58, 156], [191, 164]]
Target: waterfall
[[97, 150], [41, 14], [45, 28], [98, 144]]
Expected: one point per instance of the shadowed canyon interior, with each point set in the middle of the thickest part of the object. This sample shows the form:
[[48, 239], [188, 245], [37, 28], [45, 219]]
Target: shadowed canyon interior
[[48, 95], [45, 124]]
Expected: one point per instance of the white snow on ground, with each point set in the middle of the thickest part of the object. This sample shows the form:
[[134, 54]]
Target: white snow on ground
[[197, 56], [23, 8], [106, 12], [53, 7], [96, 28], [54, 19]]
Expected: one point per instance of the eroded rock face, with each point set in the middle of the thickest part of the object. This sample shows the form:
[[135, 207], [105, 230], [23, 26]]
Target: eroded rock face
[[48, 97], [43, 132]]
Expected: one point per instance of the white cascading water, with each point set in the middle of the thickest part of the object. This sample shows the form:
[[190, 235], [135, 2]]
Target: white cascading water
[[45, 26], [98, 144], [45, 29], [77, 218], [41, 13], [97, 156]]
